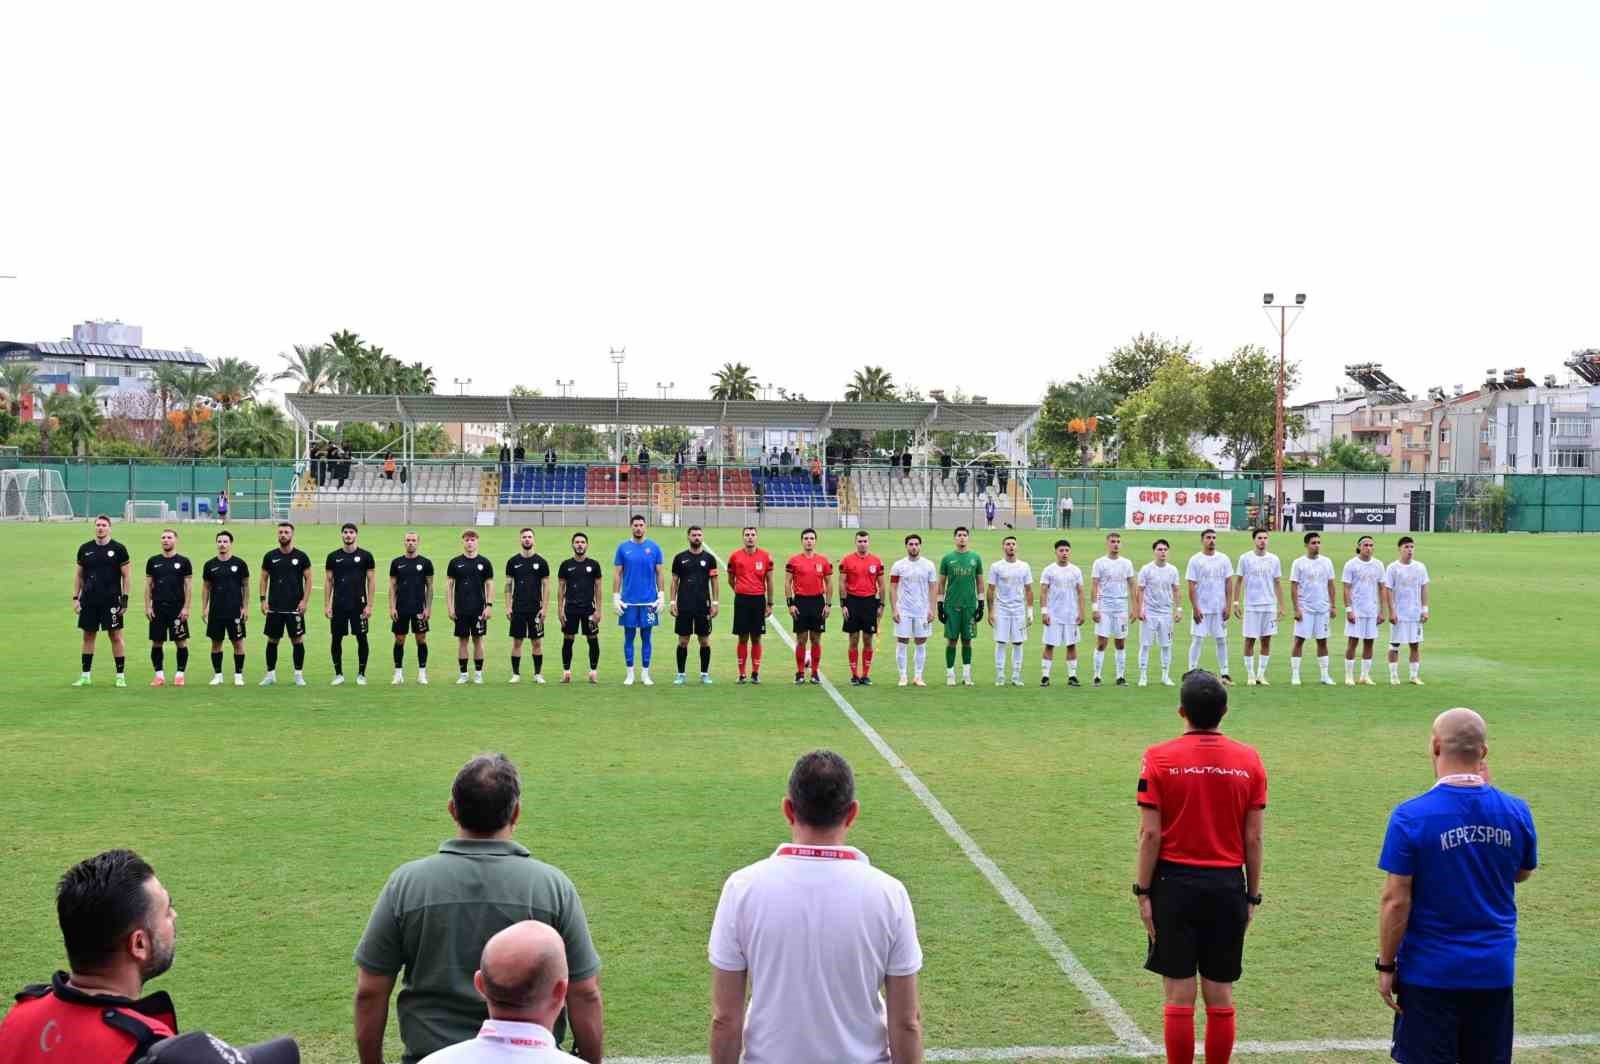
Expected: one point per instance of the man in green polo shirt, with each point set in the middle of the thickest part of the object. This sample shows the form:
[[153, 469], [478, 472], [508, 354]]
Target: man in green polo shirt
[[960, 595], [436, 913]]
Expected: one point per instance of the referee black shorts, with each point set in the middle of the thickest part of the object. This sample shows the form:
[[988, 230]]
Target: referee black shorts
[[749, 614], [808, 614], [861, 613], [1200, 916]]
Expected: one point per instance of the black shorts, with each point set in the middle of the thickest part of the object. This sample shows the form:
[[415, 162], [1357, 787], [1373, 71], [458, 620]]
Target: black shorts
[[100, 618], [471, 625], [344, 624], [166, 624], [220, 628], [1470, 1026], [693, 622], [279, 623], [749, 614], [808, 613], [526, 626], [860, 614], [1200, 916], [572, 623], [409, 622]]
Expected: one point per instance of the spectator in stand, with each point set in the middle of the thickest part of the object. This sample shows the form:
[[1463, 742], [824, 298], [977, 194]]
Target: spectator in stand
[[1002, 476], [816, 472], [388, 465], [550, 460], [820, 934], [700, 458], [962, 475], [434, 914], [945, 462], [980, 478], [772, 459], [522, 978], [1288, 514], [346, 459], [314, 457], [644, 459], [679, 458], [120, 931], [519, 456], [505, 464], [785, 460]]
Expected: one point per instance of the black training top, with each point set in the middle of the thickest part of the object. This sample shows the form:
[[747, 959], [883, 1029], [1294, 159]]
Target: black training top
[[411, 576], [527, 582], [582, 577], [348, 574], [286, 579], [169, 575], [101, 564], [472, 576], [228, 580], [694, 572]]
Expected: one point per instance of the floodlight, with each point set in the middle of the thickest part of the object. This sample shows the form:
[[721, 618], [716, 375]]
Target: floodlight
[[1266, 299]]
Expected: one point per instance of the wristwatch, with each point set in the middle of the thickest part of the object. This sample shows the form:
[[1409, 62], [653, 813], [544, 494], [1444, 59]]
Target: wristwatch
[[1390, 968], [1140, 892], [1253, 899]]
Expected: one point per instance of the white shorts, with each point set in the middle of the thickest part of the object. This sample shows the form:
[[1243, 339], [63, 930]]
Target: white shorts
[[1061, 634], [1010, 626], [913, 626], [1213, 624], [1258, 623], [1405, 633], [1156, 630], [1361, 627], [1311, 625], [1112, 625]]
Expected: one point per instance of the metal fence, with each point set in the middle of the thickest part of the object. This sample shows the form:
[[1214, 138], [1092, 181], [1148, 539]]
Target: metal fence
[[867, 495]]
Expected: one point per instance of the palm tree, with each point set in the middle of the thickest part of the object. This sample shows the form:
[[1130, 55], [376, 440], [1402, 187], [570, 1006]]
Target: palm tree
[[733, 381], [18, 380], [258, 430], [871, 384], [77, 415], [192, 388], [165, 383], [232, 381], [314, 366], [415, 379]]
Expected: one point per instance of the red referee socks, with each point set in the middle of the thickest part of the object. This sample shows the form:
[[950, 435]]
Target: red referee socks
[[866, 660], [800, 656], [744, 652], [1178, 1028], [854, 659], [755, 657], [1219, 1035]]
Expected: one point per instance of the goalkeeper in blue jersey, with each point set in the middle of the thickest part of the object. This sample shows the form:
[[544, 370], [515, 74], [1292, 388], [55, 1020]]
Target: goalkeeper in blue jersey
[[636, 592]]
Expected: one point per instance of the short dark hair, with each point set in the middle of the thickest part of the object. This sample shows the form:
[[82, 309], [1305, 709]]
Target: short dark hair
[[1203, 698], [637, 517], [913, 536], [1309, 536], [523, 529], [1258, 531], [1360, 538], [747, 528], [577, 536], [1113, 535], [693, 528], [349, 526], [1404, 540], [821, 788], [1063, 543], [1160, 543], [863, 534], [225, 532], [1008, 539], [286, 524], [1207, 532], [470, 533], [102, 517], [962, 528], [485, 792], [98, 901], [803, 532]]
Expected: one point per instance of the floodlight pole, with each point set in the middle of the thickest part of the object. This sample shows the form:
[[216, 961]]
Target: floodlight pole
[[618, 354], [1282, 326]]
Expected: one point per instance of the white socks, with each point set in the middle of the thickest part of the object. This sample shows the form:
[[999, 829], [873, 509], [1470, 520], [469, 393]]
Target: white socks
[[901, 652], [1122, 664], [1416, 670], [1099, 662], [1144, 658], [1166, 661], [1044, 666], [900, 658], [1222, 655], [1194, 651], [1322, 667]]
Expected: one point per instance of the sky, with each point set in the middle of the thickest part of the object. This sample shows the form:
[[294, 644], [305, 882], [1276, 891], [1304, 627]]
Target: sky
[[984, 197]]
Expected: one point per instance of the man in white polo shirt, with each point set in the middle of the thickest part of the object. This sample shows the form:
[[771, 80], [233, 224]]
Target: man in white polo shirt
[[522, 977], [818, 933]]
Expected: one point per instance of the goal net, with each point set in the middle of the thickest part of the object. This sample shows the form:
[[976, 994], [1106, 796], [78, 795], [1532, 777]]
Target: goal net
[[34, 494], [146, 510]]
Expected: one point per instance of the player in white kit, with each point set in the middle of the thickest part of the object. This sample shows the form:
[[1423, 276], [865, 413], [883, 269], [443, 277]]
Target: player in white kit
[[1258, 599], [1010, 606], [1363, 608], [1111, 586], [1405, 585], [1311, 598], [1061, 610], [1210, 579], [911, 582], [1157, 607]]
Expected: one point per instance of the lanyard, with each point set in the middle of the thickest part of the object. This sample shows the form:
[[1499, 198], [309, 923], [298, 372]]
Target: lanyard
[[1460, 779], [828, 853]]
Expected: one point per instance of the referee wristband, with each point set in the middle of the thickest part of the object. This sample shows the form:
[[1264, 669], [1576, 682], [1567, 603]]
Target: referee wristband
[[791, 600]]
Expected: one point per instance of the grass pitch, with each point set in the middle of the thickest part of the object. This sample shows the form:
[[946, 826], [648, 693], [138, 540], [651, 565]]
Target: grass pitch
[[274, 815]]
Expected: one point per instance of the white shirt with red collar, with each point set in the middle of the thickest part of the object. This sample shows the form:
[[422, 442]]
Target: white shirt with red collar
[[502, 1040], [818, 929]]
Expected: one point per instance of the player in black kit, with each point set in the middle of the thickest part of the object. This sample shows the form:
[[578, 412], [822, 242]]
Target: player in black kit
[[527, 599], [410, 606], [347, 594], [224, 587], [469, 598], [168, 590], [100, 596], [285, 591], [694, 601], [576, 583]]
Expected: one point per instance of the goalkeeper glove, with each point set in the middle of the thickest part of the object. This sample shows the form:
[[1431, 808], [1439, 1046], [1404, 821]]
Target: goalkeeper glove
[[616, 604], [979, 615], [942, 616]]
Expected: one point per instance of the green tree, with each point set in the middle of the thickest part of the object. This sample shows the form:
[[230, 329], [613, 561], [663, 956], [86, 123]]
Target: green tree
[[1132, 367], [1241, 398], [18, 380], [191, 391], [233, 381], [1347, 456], [871, 384], [254, 429], [664, 440], [77, 416], [312, 367], [166, 382], [1063, 434], [1157, 422], [734, 381]]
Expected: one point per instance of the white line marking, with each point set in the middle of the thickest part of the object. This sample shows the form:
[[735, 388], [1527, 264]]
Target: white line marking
[[1107, 1052], [1121, 1024]]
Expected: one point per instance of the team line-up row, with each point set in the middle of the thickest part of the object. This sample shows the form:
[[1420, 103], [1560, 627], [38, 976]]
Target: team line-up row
[[957, 595]]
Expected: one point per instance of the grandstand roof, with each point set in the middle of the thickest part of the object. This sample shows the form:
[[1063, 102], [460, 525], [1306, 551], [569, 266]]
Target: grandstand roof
[[549, 410]]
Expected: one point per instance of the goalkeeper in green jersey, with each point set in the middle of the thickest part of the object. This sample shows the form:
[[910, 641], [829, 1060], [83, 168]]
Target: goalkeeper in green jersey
[[960, 596]]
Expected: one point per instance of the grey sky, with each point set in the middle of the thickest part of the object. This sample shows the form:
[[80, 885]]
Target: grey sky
[[983, 196]]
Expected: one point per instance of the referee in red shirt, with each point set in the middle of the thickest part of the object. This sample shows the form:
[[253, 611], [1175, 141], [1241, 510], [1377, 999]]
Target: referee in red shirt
[[863, 589], [1202, 798]]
